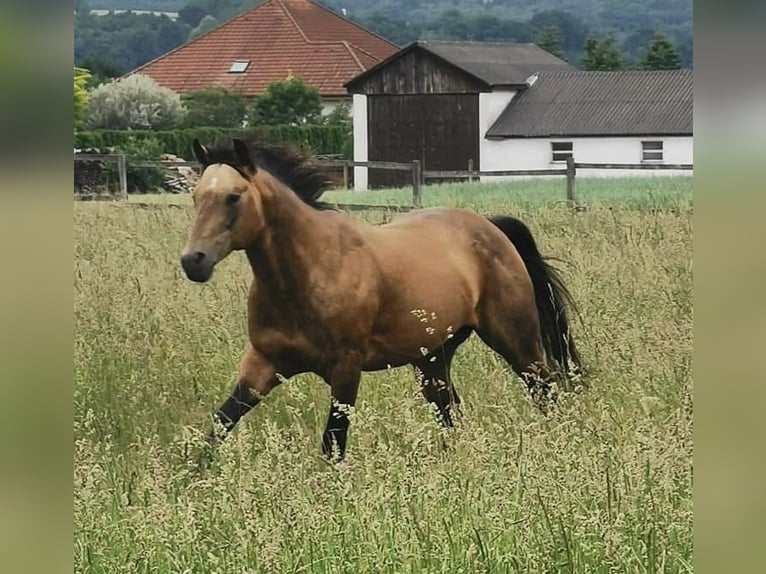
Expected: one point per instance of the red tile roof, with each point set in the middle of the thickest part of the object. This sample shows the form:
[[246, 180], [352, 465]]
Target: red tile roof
[[281, 39]]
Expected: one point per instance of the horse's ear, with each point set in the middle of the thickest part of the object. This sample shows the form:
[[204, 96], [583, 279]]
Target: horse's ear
[[200, 152], [243, 155]]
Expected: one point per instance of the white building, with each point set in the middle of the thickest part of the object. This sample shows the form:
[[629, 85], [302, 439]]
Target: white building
[[629, 117], [502, 107]]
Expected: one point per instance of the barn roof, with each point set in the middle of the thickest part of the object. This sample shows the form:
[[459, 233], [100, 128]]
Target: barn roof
[[626, 103], [274, 40], [493, 63]]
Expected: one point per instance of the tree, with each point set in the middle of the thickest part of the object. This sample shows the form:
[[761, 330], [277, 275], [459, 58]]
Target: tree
[[101, 71], [215, 107], [601, 54], [288, 101], [661, 54], [549, 39], [205, 25], [572, 31], [81, 78], [135, 102], [192, 14]]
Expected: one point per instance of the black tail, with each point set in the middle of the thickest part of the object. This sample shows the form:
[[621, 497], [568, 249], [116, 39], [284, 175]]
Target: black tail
[[551, 296]]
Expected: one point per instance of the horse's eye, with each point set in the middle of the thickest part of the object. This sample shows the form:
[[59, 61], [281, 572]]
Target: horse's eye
[[232, 198]]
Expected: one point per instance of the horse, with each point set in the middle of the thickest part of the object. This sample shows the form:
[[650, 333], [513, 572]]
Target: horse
[[336, 296]]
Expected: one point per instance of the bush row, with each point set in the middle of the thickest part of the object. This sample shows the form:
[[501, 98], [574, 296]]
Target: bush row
[[321, 140]]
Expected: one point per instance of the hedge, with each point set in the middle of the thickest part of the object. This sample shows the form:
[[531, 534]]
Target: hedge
[[323, 140]]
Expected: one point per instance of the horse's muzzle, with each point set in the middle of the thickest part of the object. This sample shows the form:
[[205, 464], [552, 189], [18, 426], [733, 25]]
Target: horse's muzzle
[[197, 265]]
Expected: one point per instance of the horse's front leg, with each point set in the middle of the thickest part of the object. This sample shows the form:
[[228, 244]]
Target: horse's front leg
[[256, 377], [344, 385]]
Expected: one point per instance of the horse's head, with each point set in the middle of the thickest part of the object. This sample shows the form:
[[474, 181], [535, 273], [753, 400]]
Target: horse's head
[[228, 210]]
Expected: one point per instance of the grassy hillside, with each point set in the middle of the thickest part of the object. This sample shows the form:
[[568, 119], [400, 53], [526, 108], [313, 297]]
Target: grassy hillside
[[605, 485]]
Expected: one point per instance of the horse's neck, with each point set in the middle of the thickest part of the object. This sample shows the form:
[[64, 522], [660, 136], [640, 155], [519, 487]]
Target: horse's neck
[[281, 257]]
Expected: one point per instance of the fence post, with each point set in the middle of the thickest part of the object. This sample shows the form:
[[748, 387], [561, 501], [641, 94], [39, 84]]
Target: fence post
[[470, 168], [345, 176], [123, 175], [571, 172], [416, 181]]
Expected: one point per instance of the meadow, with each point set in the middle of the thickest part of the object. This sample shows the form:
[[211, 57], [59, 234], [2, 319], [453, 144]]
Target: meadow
[[602, 485]]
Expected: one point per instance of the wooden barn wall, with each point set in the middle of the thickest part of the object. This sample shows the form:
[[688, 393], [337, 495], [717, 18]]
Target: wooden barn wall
[[418, 72], [441, 130]]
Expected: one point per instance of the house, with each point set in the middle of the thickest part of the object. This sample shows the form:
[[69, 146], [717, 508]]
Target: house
[[596, 117], [434, 101], [275, 40], [513, 106]]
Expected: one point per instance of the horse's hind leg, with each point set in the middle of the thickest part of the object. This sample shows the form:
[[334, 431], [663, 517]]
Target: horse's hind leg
[[433, 374], [516, 338]]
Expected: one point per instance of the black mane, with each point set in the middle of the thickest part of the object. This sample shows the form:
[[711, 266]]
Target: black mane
[[286, 162]]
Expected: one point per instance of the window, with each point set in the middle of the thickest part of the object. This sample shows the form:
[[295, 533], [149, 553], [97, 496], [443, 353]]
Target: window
[[651, 151], [560, 151], [239, 66]]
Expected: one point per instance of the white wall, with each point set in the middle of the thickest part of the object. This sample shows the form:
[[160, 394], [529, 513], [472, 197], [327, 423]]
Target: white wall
[[359, 111], [491, 105], [535, 153]]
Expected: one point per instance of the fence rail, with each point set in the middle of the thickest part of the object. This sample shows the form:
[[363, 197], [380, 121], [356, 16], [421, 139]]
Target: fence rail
[[419, 175]]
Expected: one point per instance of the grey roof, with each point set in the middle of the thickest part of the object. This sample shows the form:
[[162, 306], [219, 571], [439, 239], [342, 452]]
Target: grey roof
[[628, 103], [497, 63]]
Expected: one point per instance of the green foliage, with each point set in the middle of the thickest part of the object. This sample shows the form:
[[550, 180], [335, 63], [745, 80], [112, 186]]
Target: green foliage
[[286, 102], [135, 102], [322, 139], [206, 24], [661, 54], [101, 71], [549, 39], [602, 54], [81, 78], [126, 40], [192, 14], [215, 106]]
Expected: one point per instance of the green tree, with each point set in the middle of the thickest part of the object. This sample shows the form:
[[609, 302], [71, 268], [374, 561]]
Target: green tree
[[602, 54], [290, 101], [661, 54], [549, 39], [81, 78], [205, 25], [215, 107], [101, 71], [192, 14]]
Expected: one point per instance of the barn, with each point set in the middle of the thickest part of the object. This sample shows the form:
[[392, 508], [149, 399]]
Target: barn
[[434, 101], [513, 107]]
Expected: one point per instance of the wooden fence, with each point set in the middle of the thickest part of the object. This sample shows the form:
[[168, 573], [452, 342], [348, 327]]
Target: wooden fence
[[420, 176]]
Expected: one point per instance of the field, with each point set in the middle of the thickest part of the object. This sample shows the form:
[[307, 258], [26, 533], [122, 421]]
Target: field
[[603, 485]]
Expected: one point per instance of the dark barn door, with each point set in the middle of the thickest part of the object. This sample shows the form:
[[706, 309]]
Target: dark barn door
[[441, 130]]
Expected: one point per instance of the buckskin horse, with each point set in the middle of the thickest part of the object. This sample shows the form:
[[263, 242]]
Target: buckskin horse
[[336, 296]]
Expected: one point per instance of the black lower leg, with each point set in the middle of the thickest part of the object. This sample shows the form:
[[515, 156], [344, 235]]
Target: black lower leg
[[336, 430], [542, 387], [239, 403], [438, 393]]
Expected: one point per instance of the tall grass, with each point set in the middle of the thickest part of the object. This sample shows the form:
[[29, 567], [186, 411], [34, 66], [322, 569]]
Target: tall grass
[[605, 485]]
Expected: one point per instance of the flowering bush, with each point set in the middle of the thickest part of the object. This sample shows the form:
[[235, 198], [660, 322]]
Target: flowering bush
[[135, 102]]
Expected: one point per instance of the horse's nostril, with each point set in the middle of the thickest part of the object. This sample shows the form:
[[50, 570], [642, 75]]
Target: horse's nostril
[[192, 258], [197, 265]]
